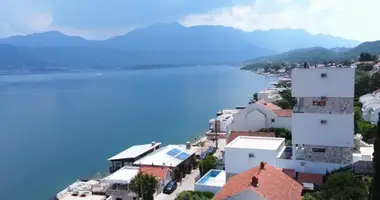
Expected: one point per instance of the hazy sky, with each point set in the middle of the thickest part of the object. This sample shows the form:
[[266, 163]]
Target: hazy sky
[[98, 19]]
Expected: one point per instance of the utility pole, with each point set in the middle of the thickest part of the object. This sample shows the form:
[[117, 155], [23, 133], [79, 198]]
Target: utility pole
[[217, 125]]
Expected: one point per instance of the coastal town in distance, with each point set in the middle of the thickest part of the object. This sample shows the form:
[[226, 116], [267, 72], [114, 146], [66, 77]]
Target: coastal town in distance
[[316, 125]]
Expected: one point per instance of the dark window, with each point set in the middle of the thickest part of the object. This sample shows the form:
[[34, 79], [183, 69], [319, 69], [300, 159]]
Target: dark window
[[319, 103], [121, 198], [323, 75], [323, 122], [321, 150], [272, 120]]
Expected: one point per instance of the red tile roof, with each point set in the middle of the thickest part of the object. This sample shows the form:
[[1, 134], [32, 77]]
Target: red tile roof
[[269, 105], [273, 184], [235, 134], [156, 171], [283, 112], [317, 179]]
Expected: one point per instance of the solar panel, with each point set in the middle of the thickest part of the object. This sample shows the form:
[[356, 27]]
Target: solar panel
[[173, 152], [182, 156]]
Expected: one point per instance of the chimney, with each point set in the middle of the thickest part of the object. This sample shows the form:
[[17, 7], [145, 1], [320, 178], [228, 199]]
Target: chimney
[[262, 165], [255, 182], [188, 145], [153, 143]]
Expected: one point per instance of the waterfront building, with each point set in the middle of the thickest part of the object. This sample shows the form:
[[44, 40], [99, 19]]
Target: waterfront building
[[130, 155], [261, 114], [81, 190], [219, 124], [173, 157]]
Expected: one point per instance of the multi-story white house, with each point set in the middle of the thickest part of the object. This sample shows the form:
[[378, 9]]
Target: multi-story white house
[[323, 119]]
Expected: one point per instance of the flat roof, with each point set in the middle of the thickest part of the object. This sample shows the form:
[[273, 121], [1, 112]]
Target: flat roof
[[123, 175], [134, 151], [87, 197], [254, 142], [170, 156]]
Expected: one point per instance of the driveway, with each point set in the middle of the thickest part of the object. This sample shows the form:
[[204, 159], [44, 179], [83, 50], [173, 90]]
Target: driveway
[[187, 184]]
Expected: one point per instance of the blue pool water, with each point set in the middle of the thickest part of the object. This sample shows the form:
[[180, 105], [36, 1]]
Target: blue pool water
[[211, 174]]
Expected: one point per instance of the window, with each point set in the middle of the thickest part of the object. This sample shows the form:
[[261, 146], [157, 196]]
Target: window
[[120, 198], [319, 103], [319, 150], [323, 121], [273, 120], [323, 75]]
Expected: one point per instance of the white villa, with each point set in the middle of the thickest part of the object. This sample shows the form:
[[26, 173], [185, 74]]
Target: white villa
[[371, 106], [261, 114]]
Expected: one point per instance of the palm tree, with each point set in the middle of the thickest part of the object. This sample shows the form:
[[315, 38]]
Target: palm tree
[[144, 185]]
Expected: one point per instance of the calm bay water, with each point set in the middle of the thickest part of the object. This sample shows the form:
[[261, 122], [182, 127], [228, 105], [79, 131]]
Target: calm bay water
[[56, 128]]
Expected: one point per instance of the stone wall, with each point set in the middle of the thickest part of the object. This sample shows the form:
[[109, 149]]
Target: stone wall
[[338, 155], [334, 105]]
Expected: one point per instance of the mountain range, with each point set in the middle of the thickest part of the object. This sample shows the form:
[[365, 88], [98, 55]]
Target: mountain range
[[316, 55], [161, 44]]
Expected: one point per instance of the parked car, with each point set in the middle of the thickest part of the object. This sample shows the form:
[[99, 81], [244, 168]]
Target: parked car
[[170, 187]]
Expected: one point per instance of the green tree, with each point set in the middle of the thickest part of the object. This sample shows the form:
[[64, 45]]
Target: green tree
[[287, 94], [367, 129], [357, 117], [313, 196], [376, 165], [365, 67], [144, 185], [365, 56], [208, 163], [362, 82], [255, 97], [345, 186], [194, 195], [279, 132], [283, 103]]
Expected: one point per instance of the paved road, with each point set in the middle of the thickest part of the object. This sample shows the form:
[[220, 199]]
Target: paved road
[[187, 184]]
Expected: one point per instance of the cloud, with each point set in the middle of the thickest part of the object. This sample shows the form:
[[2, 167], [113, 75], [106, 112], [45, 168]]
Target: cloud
[[101, 19], [24, 16], [346, 18], [121, 13]]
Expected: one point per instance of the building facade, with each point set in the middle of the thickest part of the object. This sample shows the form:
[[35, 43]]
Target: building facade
[[323, 119]]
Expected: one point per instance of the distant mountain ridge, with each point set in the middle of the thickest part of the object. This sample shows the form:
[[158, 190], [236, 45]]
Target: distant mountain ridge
[[316, 55], [167, 44]]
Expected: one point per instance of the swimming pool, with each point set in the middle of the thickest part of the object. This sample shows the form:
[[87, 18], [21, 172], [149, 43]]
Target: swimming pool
[[211, 174]]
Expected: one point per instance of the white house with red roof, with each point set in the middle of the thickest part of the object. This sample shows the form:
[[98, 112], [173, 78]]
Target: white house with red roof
[[263, 182], [261, 114]]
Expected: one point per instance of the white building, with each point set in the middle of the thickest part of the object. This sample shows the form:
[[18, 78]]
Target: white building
[[371, 106], [322, 129], [130, 155], [246, 152], [117, 184], [222, 120], [269, 95], [323, 120], [261, 114], [81, 190]]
